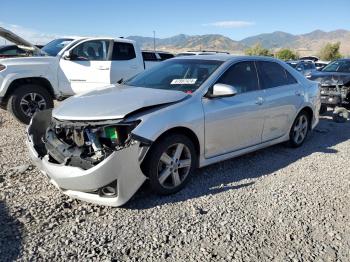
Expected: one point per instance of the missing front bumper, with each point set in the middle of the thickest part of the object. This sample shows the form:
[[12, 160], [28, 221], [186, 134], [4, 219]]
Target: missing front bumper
[[122, 167]]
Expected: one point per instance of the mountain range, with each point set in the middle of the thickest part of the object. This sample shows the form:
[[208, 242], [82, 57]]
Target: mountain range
[[304, 44]]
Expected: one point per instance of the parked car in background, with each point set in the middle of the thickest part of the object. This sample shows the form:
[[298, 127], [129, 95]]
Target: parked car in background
[[8, 51], [190, 53], [335, 87], [311, 58], [20, 47], [320, 65], [185, 113], [152, 58], [305, 67], [68, 66]]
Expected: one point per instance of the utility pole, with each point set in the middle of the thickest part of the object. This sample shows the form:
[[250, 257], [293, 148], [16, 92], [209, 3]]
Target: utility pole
[[154, 40]]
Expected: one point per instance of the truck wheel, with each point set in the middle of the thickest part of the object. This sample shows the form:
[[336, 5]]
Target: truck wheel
[[340, 115], [28, 99], [170, 163]]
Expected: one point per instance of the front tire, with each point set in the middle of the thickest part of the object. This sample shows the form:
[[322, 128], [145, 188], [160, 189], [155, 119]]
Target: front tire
[[299, 130], [170, 163], [26, 100]]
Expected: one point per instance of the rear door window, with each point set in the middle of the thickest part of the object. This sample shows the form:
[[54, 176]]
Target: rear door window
[[123, 51], [272, 74], [242, 76]]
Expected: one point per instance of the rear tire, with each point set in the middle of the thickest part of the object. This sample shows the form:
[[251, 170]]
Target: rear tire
[[299, 130], [169, 172], [28, 99]]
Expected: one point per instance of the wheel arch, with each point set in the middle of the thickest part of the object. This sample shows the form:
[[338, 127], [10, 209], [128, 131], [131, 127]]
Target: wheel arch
[[29, 80], [182, 131], [310, 113]]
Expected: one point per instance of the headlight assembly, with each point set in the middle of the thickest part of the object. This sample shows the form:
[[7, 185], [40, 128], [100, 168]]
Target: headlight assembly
[[118, 134], [2, 67]]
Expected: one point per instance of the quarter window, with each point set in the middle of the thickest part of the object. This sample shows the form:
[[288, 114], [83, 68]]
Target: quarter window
[[273, 75], [123, 51], [242, 76], [95, 50]]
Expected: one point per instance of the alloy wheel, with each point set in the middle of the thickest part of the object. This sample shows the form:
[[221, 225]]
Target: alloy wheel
[[174, 165], [300, 129], [31, 103]]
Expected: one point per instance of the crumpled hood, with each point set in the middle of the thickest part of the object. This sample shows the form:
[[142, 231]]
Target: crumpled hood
[[113, 102], [12, 37], [330, 77]]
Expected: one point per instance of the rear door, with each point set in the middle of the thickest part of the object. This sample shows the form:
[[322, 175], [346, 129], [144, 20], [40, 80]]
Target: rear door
[[87, 68], [283, 97], [233, 123], [126, 61]]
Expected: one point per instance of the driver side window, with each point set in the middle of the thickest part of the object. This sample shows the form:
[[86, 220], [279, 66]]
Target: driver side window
[[95, 50], [242, 76]]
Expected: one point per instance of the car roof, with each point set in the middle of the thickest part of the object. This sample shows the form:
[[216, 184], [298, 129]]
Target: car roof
[[226, 57], [7, 46], [343, 59], [98, 38]]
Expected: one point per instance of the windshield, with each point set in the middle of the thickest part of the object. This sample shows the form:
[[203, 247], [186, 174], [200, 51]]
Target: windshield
[[179, 74], [294, 65], [55, 46], [338, 66]]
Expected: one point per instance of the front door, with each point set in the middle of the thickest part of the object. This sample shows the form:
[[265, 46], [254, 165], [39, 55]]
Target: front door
[[86, 69], [233, 123]]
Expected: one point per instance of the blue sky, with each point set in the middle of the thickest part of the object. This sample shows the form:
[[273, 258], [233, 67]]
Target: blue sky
[[235, 19]]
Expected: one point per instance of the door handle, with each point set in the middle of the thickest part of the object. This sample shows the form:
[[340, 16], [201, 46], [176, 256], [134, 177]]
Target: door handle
[[134, 67], [102, 68], [297, 93], [259, 101]]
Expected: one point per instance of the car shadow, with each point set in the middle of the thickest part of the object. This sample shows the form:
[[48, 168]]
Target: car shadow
[[10, 235], [240, 172]]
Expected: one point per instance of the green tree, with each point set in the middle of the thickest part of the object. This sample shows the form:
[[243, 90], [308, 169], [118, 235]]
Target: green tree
[[330, 52], [257, 49], [286, 54]]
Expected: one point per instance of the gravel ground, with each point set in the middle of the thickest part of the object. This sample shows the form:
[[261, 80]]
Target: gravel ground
[[277, 204]]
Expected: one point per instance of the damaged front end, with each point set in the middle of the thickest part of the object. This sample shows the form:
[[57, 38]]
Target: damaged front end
[[335, 93], [95, 161]]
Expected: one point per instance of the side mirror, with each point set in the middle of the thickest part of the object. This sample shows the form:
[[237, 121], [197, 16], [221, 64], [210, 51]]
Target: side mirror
[[67, 55], [222, 90], [299, 69]]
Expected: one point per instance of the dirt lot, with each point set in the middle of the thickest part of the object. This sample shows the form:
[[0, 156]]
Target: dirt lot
[[277, 204]]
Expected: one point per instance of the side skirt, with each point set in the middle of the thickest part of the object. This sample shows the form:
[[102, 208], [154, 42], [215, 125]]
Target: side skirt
[[208, 161]]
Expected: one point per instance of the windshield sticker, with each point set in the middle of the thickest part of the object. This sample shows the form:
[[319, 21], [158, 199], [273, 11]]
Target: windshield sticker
[[189, 81]]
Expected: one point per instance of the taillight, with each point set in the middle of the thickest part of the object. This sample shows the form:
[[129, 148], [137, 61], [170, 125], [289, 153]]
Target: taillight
[[2, 67]]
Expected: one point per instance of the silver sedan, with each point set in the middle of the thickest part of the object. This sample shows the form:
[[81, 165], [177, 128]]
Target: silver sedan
[[185, 113]]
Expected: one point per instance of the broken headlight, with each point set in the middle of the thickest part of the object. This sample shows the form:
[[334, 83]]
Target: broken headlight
[[115, 136]]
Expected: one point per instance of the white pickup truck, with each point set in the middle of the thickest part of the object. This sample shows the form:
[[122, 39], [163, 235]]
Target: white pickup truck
[[67, 67]]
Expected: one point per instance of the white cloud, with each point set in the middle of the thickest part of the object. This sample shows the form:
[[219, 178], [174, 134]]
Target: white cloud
[[230, 24], [32, 36]]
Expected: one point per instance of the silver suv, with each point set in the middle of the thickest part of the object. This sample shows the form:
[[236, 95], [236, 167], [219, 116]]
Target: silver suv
[[160, 125]]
